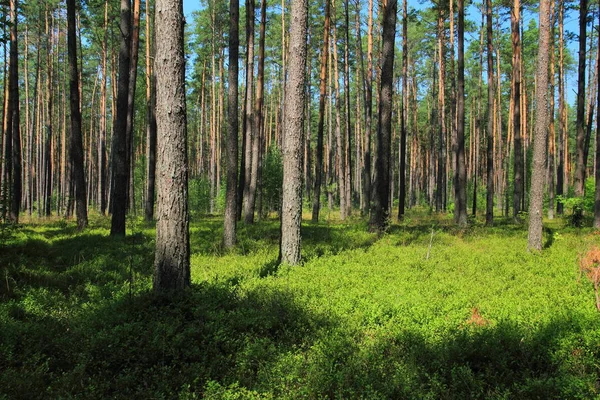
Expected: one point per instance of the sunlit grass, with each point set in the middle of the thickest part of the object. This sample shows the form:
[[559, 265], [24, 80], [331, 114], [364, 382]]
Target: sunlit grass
[[425, 310]]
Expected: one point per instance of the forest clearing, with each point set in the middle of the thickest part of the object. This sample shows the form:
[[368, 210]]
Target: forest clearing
[[462, 313]]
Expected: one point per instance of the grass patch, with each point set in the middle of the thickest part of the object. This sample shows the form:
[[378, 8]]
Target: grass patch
[[365, 316]]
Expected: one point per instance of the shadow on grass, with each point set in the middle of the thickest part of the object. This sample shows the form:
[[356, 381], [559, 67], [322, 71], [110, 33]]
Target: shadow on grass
[[216, 342], [70, 263], [219, 340]]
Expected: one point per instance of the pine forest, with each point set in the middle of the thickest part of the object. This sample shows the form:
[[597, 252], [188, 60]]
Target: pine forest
[[299, 199]]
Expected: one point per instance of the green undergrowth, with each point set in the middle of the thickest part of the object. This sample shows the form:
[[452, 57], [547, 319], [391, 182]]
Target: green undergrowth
[[425, 310]]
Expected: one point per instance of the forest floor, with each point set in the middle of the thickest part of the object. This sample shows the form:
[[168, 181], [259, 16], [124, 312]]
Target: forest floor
[[425, 310]]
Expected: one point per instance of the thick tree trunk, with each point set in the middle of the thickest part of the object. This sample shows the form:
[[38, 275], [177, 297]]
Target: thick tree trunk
[[150, 117], [560, 168], [257, 118], [536, 208], [129, 155], [229, 224], [403, 113], [552, 131], [380, 206], [320, 126], [580, 122], [76, 145], [516, 95], [119, 140], [172, 259], [291, 215], [460, 208], [12, 138], [249, 114]]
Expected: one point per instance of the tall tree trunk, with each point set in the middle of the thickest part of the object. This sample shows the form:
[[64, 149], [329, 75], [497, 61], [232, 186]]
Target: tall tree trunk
[[516, 95], [249, 115], [76, 145], [172, 259], [320, 126], [460, 209], [102, 160], [257, 118], [150, 115], [597, 173], [229, 224], [339, 152], [291, 215], [403, 113], [489, 209], [367, 184], [580, 122], [552, 130], [135, 44], [348, 135], [441, 156], [380, 207], [560, 168], [536, 208], [12, 137], [119, 143]]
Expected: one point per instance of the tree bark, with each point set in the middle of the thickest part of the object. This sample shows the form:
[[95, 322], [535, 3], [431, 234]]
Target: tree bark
[[380, 206], [518, 146], [460, 208], [489, 209], [291, 215], [76, 145], [12, 137], [320, 126], [150, 116], [580, 122], [403, 113], [172, 258], [119, 141], [249, 114], [560, 168], [129, 155], [229, 224], [536, 208]]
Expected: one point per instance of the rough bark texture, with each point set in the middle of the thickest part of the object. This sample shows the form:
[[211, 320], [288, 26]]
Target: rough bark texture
[[229, 224], [118, 188], [489, 209], [320, 126], [12, 145], [536, 206], [291, 211], [150, 119], [460, 209], [403, 113], [135, 44], [580, 122], [172, 259], [560, 167], [249, 114], [76, 143], [518, 146], [381, 200]]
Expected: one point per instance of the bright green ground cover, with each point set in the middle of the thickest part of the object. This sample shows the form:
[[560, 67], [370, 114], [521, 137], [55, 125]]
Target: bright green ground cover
[[364, 317]]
